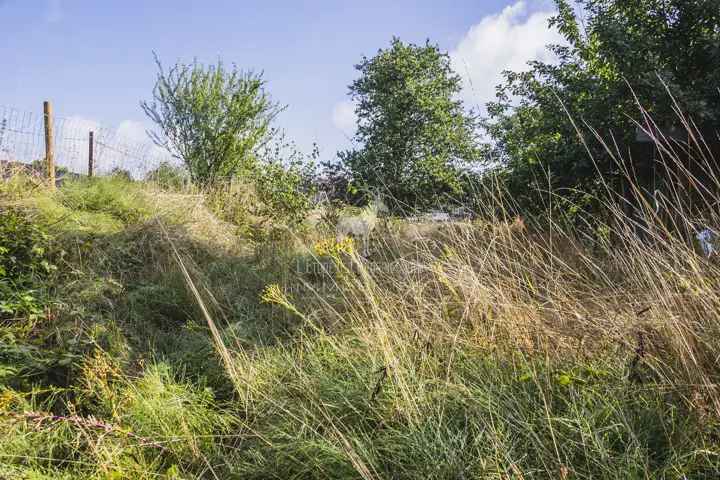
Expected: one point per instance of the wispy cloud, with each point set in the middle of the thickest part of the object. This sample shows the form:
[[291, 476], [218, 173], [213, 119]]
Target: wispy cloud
[[507, 40], [126, 146], [502, 41], [343, 117]]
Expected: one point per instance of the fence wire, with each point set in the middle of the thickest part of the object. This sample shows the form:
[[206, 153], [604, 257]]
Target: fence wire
[[22, 140]]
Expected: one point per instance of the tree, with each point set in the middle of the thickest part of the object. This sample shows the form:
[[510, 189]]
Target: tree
[[414, 135], [630, 52], [212, 118]]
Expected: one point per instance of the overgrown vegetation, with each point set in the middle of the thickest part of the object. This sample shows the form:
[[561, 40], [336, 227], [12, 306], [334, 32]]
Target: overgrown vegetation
[[212, 118], [219, 122], [169, 346], [169, 177], [625, 67], [23, 264], [225, 327]]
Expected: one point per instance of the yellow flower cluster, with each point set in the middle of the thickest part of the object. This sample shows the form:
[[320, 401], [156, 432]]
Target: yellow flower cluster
[[333, 248], [273, 294], [6, 399]]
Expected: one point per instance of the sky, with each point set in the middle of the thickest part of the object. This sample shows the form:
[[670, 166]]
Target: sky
[[94, 59]]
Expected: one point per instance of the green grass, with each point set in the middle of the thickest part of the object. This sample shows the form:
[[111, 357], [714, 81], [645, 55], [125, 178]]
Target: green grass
[[474, 351]]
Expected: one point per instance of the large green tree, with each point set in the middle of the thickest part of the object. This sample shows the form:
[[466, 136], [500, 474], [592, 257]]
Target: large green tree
[[414, 135], [627, 53]]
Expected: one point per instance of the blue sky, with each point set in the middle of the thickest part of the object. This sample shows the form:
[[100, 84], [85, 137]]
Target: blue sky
[[93, 58]]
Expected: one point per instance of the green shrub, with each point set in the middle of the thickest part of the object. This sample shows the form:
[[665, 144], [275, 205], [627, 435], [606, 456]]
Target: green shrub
[[23, 247], [122, 174], [23, 263], [168, 177], [284, 192], [17, 184], [212, 117], [276, 193]]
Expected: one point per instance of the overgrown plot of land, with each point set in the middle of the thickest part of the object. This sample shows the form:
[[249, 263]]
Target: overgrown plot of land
[[142, 336]]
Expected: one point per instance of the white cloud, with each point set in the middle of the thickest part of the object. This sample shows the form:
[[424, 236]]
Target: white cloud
[[79, 125], [502, 41], [343, 117], [127, 146], [132, 131], [507, 40]]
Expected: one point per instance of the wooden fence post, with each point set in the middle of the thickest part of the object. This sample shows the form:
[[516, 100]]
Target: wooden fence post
[[49, 156], [91, 158]]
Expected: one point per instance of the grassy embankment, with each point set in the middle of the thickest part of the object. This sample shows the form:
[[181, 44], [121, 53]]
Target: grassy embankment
[[143, 338]]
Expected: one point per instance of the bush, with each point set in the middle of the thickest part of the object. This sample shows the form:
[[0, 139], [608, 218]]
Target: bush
[[17, 183], [23, 246], [213, 118], [122, 174], [40, 166], [23, 263], [168, 177], [284, 192], [278, 191]]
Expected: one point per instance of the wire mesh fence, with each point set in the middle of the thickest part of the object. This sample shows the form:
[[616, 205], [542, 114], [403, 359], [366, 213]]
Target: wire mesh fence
[[22, 141]]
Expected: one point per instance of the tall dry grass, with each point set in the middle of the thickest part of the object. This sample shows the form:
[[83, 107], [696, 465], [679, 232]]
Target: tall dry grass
[[488, 349], [485, 348]]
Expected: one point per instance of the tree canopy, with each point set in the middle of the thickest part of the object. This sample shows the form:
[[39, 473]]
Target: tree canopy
[[659, 54], [213, 118], [414, 135]]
